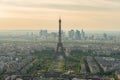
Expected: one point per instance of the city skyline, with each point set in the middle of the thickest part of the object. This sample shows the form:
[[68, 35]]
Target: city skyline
[[97, 15]]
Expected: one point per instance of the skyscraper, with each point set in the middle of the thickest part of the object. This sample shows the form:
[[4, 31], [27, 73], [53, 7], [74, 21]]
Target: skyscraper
[[77, 35], [82, 34], [71, 34]]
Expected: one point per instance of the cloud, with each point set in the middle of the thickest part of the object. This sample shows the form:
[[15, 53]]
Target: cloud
[[30, 13], [66, 4]]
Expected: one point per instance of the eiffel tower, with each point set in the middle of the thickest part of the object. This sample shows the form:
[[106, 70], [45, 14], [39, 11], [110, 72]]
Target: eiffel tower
[[60, 49]]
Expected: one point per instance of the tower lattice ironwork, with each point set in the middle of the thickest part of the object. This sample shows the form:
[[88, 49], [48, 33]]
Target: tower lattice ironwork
[[60, 48]]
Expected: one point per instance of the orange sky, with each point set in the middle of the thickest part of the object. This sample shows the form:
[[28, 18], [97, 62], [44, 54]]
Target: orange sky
[[76, 14]]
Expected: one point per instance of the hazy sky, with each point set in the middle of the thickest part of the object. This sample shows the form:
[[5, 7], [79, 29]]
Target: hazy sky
[[75, 14]]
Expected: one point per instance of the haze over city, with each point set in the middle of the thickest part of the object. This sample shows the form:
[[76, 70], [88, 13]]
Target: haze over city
[[100, 15], [59, 40]]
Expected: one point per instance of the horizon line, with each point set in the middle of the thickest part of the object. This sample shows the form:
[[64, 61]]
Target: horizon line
[[55, 30]]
